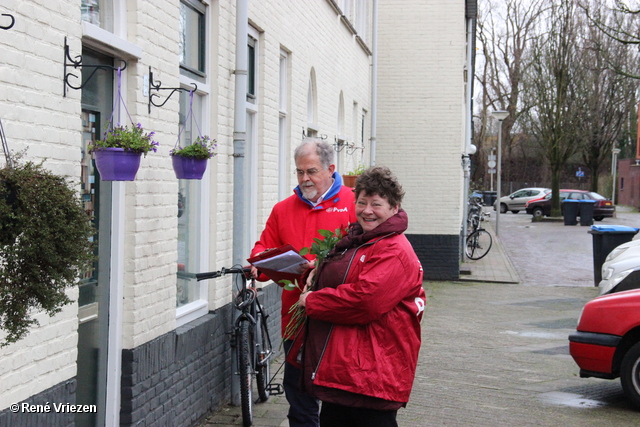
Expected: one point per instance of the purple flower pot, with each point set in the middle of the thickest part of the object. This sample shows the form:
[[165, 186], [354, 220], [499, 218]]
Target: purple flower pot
[[188, 167], [116, 164]]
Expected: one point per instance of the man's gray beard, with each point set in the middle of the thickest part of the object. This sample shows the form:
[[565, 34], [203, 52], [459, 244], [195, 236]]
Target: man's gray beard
[[309, 194]]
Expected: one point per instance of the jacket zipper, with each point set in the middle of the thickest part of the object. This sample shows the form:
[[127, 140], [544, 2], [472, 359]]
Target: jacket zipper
[[324, 348]]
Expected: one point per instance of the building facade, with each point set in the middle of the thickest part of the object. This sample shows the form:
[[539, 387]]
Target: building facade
[[145, 343]]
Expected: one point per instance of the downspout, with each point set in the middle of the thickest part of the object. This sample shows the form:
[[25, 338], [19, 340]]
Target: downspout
[[470, 149], [240, 130], [374, 80], [240, 222]]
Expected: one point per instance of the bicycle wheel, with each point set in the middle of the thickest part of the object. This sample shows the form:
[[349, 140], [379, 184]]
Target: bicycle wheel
[[478, 244], [245, 351], [263, 353]]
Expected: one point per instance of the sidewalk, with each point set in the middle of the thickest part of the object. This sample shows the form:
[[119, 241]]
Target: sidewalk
[[495, 267]]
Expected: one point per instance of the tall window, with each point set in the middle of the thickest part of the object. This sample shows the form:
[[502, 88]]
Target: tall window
[[362, 18], [251, 166], [98, 12], [192, 38], [191, 296], [312, 127], [283, 125], [188, 289], [251, 69]]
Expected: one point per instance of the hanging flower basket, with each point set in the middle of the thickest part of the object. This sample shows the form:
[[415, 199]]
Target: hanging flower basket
[[188, 167], [117, 164], [191, 161]]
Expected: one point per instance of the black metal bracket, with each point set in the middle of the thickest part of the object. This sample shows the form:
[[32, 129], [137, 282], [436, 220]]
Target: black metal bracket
[[13, 21], [304, 134], [156, 86], [340, 145], [77, 63]]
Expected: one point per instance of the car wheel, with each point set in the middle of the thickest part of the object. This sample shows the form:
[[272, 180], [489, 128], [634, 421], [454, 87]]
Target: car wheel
[[503, 208], [598, 218], [630, 374], [537, 212], [515, 212]]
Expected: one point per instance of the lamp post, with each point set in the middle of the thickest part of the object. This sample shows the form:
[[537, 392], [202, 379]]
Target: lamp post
[[614, 167], [500, 115]]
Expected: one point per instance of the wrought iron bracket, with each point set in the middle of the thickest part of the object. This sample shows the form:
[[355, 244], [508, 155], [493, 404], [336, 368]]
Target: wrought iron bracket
[[77, 63], [340, 145], [13, 21], [304, 134], [157, 87]]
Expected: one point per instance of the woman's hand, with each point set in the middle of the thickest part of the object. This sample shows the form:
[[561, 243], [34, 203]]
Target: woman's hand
[[303, 296], [310, 277]]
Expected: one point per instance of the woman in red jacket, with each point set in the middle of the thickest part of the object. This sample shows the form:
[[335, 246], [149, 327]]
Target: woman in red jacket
[[363, 331]]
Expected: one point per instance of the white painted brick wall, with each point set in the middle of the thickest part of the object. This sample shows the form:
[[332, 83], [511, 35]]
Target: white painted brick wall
[[420, 130], [36, 117]]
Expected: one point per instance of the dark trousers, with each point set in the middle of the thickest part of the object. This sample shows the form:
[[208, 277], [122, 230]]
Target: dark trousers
[[303, 408], [333, 415]]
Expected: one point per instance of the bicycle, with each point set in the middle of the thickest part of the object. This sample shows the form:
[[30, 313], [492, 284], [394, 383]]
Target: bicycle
[[479, 241], [250, 336]]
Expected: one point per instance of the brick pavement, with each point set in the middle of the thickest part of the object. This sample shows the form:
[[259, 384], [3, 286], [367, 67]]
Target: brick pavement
[[494, 353]]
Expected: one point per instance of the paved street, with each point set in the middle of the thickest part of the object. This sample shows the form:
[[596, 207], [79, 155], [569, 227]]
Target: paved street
[[495, 348]]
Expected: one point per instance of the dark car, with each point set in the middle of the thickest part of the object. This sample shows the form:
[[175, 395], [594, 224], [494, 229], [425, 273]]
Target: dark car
[[606, 343], [603, 207]]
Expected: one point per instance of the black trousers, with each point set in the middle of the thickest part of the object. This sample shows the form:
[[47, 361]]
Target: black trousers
[[303, 408], [333, 415]]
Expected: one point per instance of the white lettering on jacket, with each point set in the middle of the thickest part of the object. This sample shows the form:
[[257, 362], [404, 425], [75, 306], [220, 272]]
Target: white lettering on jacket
[[420, 304], [332, 209]]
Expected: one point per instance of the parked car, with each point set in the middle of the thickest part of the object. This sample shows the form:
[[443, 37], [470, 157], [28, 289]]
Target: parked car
[[621, 269], [606, 343], [603, 207], [516, 201]]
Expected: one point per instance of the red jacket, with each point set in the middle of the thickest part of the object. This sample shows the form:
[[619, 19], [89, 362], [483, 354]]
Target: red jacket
[[363, 332], [296, 222]]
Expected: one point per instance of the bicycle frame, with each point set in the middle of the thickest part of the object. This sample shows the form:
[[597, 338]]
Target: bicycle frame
[[250, 338]]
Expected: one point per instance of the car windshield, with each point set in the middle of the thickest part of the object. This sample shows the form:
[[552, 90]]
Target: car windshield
[[596, 196]]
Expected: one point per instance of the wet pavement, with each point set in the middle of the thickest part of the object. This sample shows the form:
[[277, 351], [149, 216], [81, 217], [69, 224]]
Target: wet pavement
[[495, 349]]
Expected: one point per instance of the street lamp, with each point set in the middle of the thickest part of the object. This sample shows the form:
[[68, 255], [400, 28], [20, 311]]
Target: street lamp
[[614, 167], [500, 115]]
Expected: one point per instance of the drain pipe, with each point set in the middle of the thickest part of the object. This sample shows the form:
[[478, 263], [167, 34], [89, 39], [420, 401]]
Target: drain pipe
[[374, 81], [470, 148], [239, 143]]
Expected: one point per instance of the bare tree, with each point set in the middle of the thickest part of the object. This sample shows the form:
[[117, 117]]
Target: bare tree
[[605, 93], [505, 31], [551, 86]]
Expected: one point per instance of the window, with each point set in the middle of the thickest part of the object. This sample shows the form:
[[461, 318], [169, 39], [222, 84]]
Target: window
[[98, 12], [362, 18], [345, 6], [283, 125], [251, 70], [192, 38], [189, 217], [193, 214]]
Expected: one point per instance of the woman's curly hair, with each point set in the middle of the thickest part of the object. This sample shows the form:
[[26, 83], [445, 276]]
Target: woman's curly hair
[[381, 181]]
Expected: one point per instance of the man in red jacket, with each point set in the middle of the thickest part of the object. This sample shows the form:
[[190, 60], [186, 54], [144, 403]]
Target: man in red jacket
[[319, 202]]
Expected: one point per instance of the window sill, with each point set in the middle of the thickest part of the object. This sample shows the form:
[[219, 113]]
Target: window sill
[[190, 312], [96, 37]]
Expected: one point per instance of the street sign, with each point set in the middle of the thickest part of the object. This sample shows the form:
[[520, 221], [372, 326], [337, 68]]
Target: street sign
[[492, 171], [491, 163]]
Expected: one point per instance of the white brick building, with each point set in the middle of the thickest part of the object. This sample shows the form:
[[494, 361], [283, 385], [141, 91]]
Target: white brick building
[[145, 342]]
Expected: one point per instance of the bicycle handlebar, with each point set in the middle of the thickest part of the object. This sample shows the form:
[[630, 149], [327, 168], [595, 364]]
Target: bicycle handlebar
[[245, 271]]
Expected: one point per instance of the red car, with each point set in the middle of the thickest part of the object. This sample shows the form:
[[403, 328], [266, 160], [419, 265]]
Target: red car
[[603, 207], [606, 343]]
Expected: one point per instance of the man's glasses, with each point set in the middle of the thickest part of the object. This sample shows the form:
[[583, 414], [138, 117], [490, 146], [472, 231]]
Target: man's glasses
[[309, 172]]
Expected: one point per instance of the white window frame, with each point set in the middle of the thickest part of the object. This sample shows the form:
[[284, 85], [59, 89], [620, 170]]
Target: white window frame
[[200, 307], [283, 125]]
